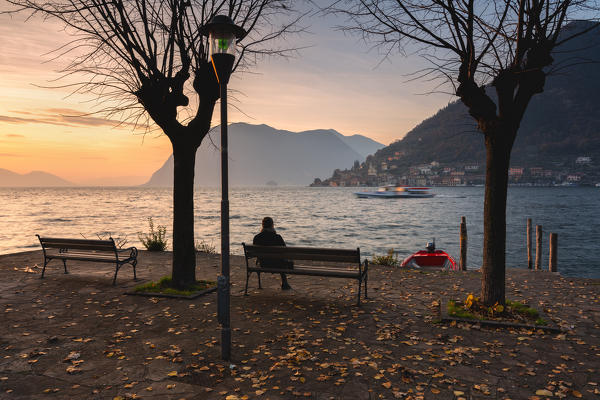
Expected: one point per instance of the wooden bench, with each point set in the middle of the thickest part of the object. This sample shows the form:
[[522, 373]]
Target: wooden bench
[[358, 270], [87, 250]]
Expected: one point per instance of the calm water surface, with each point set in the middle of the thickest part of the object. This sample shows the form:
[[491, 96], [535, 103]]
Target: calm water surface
[[323, 217]]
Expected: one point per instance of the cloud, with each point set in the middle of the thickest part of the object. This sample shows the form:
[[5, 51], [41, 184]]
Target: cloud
[[11, 155], [14, 135], [15, 120], [93, 158], [62, 117]]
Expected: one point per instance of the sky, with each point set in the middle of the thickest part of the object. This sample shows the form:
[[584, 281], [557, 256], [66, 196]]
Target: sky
[[336, 82]]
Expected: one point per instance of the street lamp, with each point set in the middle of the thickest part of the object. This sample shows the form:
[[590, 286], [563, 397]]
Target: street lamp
[[222, 35]]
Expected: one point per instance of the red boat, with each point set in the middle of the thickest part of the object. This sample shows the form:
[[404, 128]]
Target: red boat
[[430, 258]]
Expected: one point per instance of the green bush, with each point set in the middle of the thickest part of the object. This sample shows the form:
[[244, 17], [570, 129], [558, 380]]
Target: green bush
[[389, 259], [155, 239], [204, 247]]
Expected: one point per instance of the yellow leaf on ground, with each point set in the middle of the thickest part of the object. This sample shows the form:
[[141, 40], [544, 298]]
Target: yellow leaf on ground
[[387, 385], [543, 392], [172, 373], [259, 392], [577, 394]]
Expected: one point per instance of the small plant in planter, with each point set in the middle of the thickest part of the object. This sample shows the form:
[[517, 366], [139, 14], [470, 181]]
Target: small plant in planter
[[390, 259], [154, 240]]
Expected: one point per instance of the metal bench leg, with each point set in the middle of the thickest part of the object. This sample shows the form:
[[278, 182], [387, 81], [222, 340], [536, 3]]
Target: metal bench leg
[[134, 263], [115, 278], [65, 264], [366, 279], [359, 287], [44, 268], [259, 285], [247, 277]]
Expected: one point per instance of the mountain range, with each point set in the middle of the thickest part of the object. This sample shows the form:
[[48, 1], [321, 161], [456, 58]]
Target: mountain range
[[260, 154], [34, 178], [560, 124]]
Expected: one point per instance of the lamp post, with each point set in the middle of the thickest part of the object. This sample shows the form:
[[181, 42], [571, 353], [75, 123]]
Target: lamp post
[[222, 35]]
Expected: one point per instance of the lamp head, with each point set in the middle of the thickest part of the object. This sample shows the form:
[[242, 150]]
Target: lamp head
[[222, 35]]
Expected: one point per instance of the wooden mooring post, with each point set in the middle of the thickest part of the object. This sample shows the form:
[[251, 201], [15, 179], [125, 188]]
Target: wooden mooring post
[[538, 247], [463, 244], [553, 258], [529, 260]]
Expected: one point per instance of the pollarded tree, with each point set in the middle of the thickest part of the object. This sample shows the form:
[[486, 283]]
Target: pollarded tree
[[478, 47], [143, 58]]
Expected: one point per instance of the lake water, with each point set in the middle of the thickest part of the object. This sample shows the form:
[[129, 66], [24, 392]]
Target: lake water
[[322, 217]]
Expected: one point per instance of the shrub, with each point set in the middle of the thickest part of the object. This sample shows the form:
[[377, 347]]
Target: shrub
[[155, 239], [204, 247], [389, 259]]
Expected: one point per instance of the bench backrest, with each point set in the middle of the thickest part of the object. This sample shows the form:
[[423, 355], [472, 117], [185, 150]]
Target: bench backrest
[[302, 253], [77, 244]]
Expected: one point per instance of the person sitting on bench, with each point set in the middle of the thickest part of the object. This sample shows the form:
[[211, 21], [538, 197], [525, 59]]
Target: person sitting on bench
[[268, 237]]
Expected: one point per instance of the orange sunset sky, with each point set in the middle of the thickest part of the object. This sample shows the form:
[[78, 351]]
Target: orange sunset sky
[[336, 83]]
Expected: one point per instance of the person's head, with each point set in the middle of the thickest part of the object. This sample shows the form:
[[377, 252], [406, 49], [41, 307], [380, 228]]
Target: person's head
[[267, 223]]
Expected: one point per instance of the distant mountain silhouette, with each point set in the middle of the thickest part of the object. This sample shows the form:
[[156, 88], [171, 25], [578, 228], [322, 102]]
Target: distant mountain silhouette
[[259, 154], [34, 178], [560, 124]]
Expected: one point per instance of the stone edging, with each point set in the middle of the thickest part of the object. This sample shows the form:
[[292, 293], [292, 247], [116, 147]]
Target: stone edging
[[551, 327]]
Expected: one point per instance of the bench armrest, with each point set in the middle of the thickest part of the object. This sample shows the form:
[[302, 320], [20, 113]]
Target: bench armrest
[[133, 251]]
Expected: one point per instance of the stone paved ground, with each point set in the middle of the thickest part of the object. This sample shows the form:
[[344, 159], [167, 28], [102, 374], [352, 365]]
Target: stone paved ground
[[76, 336]]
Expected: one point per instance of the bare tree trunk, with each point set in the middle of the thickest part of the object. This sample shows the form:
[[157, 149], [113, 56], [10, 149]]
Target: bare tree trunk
[[494, 210], [184, 252]]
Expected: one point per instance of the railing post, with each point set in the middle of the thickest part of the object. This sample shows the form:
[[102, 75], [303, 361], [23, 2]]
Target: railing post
[[529, 260], [553, 263], [463, 244], [538, 247]]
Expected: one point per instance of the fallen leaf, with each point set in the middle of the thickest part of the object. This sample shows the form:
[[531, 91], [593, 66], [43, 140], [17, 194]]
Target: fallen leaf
[[543, 392]]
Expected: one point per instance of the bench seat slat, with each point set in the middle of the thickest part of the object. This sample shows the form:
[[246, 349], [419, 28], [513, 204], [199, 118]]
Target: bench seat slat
[[87, 256], [335, 273], [107, 246], [303, 253]]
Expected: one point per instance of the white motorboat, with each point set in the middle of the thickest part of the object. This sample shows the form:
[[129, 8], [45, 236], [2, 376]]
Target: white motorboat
[[394, 192]]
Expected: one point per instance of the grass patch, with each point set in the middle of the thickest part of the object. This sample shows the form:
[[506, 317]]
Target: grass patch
[[165, 286], [523, 309], [458, 311], [513, 311]]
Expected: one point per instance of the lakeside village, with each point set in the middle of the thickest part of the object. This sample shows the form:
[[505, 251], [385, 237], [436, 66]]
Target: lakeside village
[[581, 171]]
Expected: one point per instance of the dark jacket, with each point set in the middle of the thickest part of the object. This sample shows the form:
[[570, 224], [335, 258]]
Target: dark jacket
[[268, 237]]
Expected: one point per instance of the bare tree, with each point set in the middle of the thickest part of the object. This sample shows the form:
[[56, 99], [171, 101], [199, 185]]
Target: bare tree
[[143, 58], [478, 47]]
